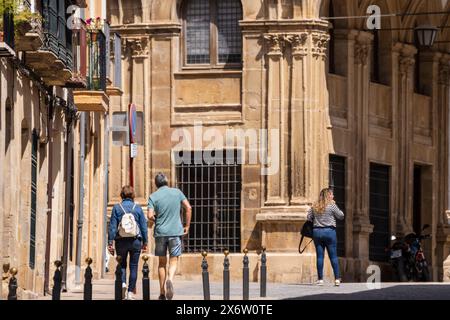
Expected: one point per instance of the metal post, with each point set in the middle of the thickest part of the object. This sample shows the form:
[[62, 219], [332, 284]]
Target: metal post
[[118, 282], [263, 291], [87, 295], [145, 279], [81, 197], [57, 279], [12, 286], [246, 278], [226, 276], [205, 277]]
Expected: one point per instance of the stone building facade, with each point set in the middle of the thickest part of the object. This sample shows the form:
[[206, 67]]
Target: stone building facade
[[47, 88], [363, 111]]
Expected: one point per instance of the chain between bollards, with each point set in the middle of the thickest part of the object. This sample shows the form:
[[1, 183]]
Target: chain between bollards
[[246, 277], [145, 279], [263, 284], [87, 294], [205, 277], [12, 285], [118, 281], [226, 276], [57, 279]]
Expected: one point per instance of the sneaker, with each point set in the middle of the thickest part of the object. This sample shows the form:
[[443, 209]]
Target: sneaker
[[337, 283], [169, 290], [319, 282], [162, 297], [124, 291], [131, 296]]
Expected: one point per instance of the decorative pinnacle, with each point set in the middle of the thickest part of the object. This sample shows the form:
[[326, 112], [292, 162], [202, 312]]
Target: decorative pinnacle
[[13, 271], [204, 254], [88, 261], [145, 258], [58, 263], [226, 253]]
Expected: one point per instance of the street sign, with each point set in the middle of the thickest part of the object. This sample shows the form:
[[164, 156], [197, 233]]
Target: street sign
[[133, 123]]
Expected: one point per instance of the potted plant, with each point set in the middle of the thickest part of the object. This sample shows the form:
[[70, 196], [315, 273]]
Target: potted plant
[[24, 20]]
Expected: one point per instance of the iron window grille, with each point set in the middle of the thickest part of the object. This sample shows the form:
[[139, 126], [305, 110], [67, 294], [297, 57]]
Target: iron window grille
[[212, 35], [214, 191], [379, 212], [338, 183]]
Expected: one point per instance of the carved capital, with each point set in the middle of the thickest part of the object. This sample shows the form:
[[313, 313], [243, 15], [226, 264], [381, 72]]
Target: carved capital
[[444, 74], [362, 51], [298, 43], [275, 44], [406, 64], [137, 47], [319, 45]]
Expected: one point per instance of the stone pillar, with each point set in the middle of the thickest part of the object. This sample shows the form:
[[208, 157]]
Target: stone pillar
[[305, 142], [361, 222], [405, 136], [443, 231]]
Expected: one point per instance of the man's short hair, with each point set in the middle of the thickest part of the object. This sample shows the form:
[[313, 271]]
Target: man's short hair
[[161, 180], [127, 193]]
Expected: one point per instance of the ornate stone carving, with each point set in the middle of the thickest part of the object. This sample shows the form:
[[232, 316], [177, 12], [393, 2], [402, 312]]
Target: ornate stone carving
[[319, 47], [299, 45], [444, 74], [406, 64], [362, 51], [275, 43], [137, 47]]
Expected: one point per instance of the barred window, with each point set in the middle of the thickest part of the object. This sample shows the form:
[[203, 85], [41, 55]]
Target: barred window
[[212, 33]]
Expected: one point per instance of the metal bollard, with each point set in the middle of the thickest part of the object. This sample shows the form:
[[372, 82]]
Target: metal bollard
[[246, 277], [118, 281], [12, 285], [145, 279], [57, 279], [263, 288], [87, 294], [205, 277], [226, 276]]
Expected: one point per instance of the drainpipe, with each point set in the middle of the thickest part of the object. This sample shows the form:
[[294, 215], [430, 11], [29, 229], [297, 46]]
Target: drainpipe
[[49, 195], [81, 199], [68, 204], [105, 193]]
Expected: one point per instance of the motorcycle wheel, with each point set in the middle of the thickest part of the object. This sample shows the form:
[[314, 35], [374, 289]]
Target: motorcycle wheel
[[401, 274], [426, 277]]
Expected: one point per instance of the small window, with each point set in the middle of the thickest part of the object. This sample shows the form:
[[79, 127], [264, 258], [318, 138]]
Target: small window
[[212, 35]]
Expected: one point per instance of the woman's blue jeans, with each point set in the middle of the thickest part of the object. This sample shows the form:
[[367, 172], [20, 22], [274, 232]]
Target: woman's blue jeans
[[326, 238], [132, 247]]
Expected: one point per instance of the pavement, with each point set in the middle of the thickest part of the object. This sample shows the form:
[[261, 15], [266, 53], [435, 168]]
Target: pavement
[[193, 290]]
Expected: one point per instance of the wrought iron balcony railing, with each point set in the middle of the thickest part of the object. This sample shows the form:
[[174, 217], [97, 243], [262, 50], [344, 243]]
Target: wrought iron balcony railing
[[97, 60], [79, 54], [57, 37], [8, 29]]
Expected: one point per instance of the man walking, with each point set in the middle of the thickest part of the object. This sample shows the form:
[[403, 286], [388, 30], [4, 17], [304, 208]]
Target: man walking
[[164, 209]]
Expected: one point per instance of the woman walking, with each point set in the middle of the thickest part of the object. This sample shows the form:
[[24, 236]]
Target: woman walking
[[323, 214]]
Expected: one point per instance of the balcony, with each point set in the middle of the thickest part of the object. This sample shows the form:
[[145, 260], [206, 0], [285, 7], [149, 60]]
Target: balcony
[[94, 97], [28, 35], [79, 52], [7, 35], [53, 60]]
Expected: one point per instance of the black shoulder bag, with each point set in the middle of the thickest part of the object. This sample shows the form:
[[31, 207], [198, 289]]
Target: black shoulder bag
[[307, 231]]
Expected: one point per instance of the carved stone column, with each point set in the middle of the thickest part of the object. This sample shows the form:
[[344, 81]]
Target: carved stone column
[[361, 222], [405, 135]]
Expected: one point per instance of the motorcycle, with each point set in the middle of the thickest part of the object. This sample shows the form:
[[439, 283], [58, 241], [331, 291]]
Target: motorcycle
[[398, 253], [417, 262], [408, 259]]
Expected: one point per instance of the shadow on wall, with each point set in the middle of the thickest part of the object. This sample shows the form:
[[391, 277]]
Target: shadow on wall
[[399, 292]]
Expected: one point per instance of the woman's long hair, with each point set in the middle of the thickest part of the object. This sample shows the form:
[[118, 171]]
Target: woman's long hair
[[324, 201]]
